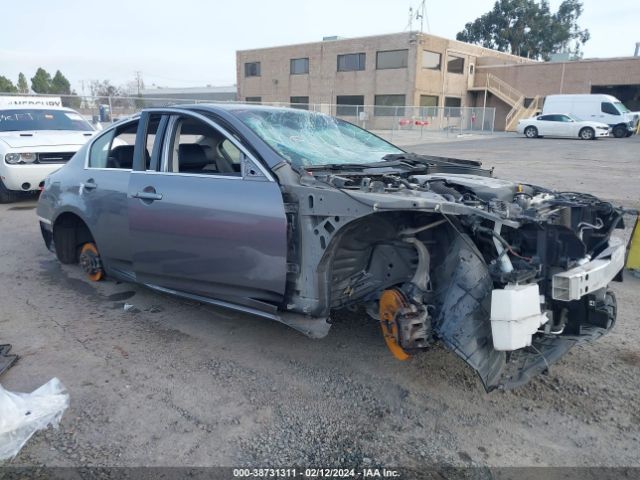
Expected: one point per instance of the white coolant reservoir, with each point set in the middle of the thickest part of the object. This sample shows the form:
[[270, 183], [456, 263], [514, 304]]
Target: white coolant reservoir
[[515, 316]]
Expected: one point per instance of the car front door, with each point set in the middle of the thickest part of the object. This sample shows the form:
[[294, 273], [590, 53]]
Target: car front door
[[207, 218], [570, 127], [609, 114]]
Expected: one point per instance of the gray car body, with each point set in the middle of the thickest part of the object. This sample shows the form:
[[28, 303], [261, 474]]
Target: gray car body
[[276, 242]]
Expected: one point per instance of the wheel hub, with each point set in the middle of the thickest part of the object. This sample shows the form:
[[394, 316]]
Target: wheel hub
[[90, 262]]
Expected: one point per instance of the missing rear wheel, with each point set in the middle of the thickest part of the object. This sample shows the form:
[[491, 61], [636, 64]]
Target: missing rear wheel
[[90, 262]]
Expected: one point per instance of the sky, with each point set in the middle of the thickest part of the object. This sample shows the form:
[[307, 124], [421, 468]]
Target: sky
[[193, 42]]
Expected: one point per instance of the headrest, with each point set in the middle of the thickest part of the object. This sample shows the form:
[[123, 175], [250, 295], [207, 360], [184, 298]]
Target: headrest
[[191, 155], [122, 156]]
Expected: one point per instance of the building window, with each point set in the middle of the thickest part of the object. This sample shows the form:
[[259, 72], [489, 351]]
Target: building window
[[351, 62], [392, 59], [299, 102], [349, 105], [429, 105], [253, 99], [389, 105], [431, 60], [252, 69], [452, 106], [455, 64], [299, 66]]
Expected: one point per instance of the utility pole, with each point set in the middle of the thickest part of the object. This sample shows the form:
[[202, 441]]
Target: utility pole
[[138, 74]]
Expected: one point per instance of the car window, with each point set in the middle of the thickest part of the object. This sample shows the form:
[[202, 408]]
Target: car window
[[609, 108], [546, 118], [40, 119], [198, 148], [230, 151], [115, 148], [564, 118]]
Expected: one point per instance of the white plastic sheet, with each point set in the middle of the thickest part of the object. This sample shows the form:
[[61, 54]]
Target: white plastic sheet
[[22, 414]]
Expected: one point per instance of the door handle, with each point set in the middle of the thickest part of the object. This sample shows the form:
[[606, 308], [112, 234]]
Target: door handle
[[90, 184], [149, 196]]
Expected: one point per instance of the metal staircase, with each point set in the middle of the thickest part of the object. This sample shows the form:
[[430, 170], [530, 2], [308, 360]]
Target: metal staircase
[[509, 95]]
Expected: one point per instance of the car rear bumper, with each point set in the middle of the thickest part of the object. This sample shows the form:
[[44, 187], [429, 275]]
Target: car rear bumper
[[26, 177]]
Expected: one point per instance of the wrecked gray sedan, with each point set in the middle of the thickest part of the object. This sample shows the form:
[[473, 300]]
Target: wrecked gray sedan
[[290, 215]]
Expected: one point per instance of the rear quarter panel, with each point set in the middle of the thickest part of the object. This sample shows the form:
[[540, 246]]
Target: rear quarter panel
[[61, 190]]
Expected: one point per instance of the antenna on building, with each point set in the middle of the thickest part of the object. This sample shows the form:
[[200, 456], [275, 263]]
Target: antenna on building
[[410, 24], [421, 14]]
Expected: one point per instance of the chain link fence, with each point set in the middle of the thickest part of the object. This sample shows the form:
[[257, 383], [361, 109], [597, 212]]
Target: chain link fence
[[395, 123]]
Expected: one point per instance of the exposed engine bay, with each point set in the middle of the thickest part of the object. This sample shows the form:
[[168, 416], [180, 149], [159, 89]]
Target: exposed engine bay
[[508, 275]]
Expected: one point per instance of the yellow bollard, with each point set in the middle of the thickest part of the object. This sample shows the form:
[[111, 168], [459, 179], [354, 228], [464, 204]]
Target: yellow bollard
[[633, 250]]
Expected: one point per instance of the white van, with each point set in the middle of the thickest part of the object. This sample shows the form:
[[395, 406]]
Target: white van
[[595, 107], [37, 136]]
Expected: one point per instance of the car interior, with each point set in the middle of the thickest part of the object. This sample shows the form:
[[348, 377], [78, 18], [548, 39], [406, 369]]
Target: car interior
[[196, 148], [200, 149]]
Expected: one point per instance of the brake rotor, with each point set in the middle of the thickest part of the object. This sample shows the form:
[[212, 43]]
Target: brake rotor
[[390, 303], [90, 262]]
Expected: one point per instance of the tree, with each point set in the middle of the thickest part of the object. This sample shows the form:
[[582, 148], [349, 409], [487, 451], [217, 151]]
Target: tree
[[102, 90], [7, 85], [60, 85], [529, 29], [41, 81], [23, 86]]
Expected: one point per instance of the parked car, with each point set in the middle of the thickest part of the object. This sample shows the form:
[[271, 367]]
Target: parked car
[[561, 125], [596, 107], [37, 136], [290, 215]]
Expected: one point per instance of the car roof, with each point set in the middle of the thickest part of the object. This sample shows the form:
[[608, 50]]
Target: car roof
[[231, 107]]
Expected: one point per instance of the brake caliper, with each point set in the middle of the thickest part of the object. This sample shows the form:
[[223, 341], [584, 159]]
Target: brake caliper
[[405, 326]]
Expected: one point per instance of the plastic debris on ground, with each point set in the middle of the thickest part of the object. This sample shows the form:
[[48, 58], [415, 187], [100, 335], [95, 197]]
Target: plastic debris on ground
[[22, 414]]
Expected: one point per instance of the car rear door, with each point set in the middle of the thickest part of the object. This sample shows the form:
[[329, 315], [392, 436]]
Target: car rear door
[[103, 191], [545, 125], [206, 218]]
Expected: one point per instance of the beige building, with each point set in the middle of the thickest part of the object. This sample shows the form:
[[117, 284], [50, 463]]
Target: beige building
[[390, 71]]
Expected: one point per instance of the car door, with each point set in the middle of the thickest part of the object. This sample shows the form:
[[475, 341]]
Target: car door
[[570, 127], [103, 192], [609, 114], [207, 218], [545, 125]]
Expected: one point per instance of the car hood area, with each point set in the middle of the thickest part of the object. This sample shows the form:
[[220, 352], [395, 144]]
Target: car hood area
[[507, 275], [41, 138]]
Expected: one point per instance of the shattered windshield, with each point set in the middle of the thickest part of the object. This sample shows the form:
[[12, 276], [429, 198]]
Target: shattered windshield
[[309, 138]]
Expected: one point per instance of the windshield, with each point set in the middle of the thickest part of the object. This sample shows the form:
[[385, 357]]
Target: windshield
[[621, 107], [309, 138], [42, 119]]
